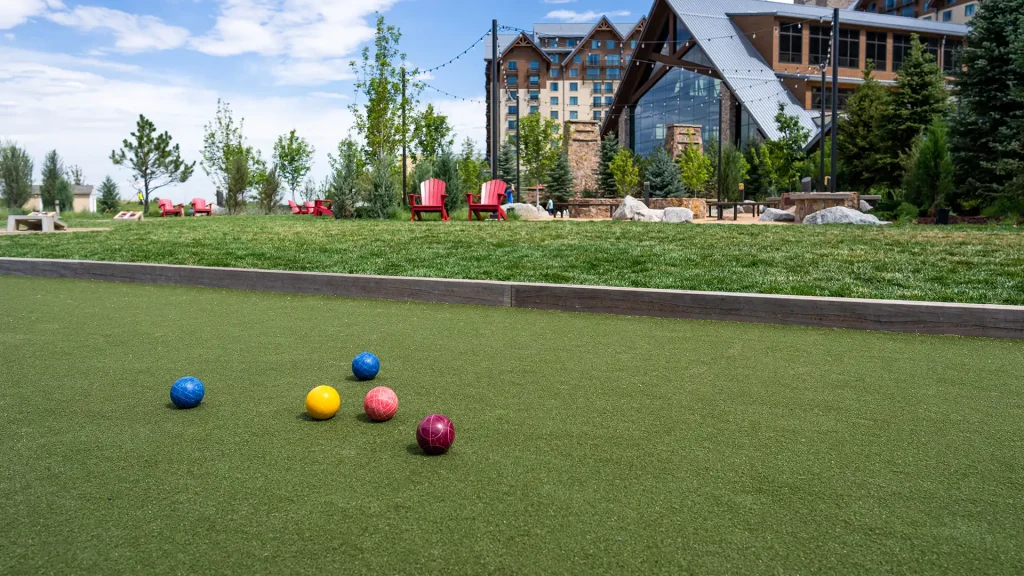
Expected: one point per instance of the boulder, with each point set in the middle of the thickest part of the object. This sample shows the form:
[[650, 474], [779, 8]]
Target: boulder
[[776, 215], [865, 207], [629, 209], [841, 215], [649, 215], [527, 211], [677, 215]]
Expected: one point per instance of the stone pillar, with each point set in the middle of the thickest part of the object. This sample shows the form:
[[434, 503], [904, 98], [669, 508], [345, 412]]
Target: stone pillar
[[729, 116], [584, 152], [625, 128], [679, 137]]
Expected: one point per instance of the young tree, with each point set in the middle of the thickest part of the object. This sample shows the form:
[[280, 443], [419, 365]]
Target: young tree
[[379, 120], [734, 170], [110, 197], [76, 176], [560, 180], [663, 175], [987, 128], [293, 157], [55, 187], [625, 172], [695, 170], [928, 169], [787, 151], [347, 169], [384, 188], [222, 140], [917, 99], [309, 191], [605, 180], [239, 181], [861, 139], [538, 142], [431, 135], [269, 195], [152, 159], [16, 168], [469, 168], [762, 176], [446, 168], [507, 161]]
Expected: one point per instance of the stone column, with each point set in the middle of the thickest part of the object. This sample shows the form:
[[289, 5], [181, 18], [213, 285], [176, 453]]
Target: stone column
[[729, 112], [584, 152], [679, 137]]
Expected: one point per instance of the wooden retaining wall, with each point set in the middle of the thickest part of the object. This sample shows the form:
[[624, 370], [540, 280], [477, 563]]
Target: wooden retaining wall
[[994, 321]]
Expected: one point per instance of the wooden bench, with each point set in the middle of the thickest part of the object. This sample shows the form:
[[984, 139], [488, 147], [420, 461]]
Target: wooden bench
[[735, 207]]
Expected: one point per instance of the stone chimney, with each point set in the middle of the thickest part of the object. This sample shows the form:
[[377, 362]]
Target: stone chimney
[[678, 137], [584, 152]]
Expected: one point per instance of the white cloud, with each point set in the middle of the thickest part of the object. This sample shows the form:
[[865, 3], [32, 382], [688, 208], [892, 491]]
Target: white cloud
[[290, 72], [9, 37], [588, 16], [15, 12], [132, 33]]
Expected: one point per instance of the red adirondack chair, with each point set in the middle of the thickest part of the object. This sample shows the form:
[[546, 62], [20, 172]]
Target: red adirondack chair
[[199, 206], [489, 200], [310, 208], [296, 209], [322, 208], [431, 199], [167, 208]]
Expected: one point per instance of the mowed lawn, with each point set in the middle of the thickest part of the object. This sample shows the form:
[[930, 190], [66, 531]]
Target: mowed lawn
[[952, 264], [585, 444]]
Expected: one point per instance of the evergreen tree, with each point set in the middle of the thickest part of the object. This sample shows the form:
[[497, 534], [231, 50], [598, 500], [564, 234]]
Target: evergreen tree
[[469, 169], [110, 197], [269, 194], [605, 180], [695, 170], [239, 178], [55, 186], [917, 99], [507, 161], [154, 162], [560, 181], [762, 176], [928, 169], [347, 173], [734, 171], [861, 140], [383, 193], [663, 175], [16, 168], [446, 168], [987, 129]]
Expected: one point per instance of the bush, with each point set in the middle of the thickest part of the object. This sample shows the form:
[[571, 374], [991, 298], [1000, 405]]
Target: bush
[[907, 212], [382, 197]]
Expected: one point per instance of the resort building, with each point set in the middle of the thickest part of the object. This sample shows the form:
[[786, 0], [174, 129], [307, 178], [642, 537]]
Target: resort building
[[952, 11], [726, 66], [562, 71]]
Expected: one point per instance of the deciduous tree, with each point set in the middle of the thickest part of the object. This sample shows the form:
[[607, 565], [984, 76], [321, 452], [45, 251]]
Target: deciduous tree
[[293, 157], [16, 169], [625, 172], [431, 135], [539, 145], [154, 162], [269, 195], [695, 170]]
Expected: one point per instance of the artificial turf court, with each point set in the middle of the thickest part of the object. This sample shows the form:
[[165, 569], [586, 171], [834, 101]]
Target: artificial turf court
[[585, 443]]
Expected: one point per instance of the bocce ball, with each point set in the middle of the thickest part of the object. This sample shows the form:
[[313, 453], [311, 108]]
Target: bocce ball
[[435, 434], [381, 403], [365, 366], [322, 402], [187, 392]]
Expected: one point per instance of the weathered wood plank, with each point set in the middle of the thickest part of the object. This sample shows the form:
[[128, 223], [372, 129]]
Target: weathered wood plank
[[889, 315]]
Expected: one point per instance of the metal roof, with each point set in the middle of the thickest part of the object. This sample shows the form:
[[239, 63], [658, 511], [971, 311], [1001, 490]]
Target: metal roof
[[504, 41], [577, 29], [885, 21]]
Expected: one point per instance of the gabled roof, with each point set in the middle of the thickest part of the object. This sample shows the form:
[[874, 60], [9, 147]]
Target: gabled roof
[[504, 41], [577, 29], [522, 39], [603, 20]]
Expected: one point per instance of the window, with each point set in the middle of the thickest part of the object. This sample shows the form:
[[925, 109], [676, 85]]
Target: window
[[553, 43], [534, 66], [597, 101], [512, 110], [611, 73], [555, 73], [573, 87], [534, 95], [553, 86], [950, 2], [596, 89], [554, 114], [844, 94], [513, 65], [612, 60], [849, 48], [790, 43], [534, 109], [872, 7], [511, 124], [574, 72], [609, 87], [595, 44], [513, 95], [632, 44], [513, 80], [876, 49], [593, 73], [900, 48], [608, 100], [970, 9], [927, 6], [821, 39], [597, 114], [574, 115], [928, 18], [907, 11], [574, 101], [554, 100], [577, 59], [555, 58], [890, 4], [570, 43], [950, 55], [593, 59], [610, 44], [534, 80], [931, 46], [947, 15]]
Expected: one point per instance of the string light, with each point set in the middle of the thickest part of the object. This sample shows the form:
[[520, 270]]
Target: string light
[[450, 95], [461, 54]]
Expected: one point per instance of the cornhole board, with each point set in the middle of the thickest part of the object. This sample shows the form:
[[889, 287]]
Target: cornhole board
[[128, 216], [36, 221]]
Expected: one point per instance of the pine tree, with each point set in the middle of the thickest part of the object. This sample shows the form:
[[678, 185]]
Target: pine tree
[[987, 129], [446, 168], [269, 194], [861, 136], [507, 161], [605, 180], [110, 197], [663, 175], [918, 98], [928, 169], [55, 186], [559, 182]]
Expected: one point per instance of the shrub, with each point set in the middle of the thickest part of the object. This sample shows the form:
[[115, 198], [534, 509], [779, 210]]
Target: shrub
[[382, 196], [907, 212]]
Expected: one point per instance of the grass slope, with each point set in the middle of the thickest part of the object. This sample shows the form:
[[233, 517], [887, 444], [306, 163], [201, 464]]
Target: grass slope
[[602, 445]]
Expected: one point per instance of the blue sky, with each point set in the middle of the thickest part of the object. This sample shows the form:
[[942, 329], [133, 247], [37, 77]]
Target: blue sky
[[75, 75]]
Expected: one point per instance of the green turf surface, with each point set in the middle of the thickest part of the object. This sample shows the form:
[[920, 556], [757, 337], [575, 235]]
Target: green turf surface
[[950, 264], [585, 443]]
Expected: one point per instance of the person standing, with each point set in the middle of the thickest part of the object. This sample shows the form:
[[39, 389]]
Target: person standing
[[551, 206], [510, 192]]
